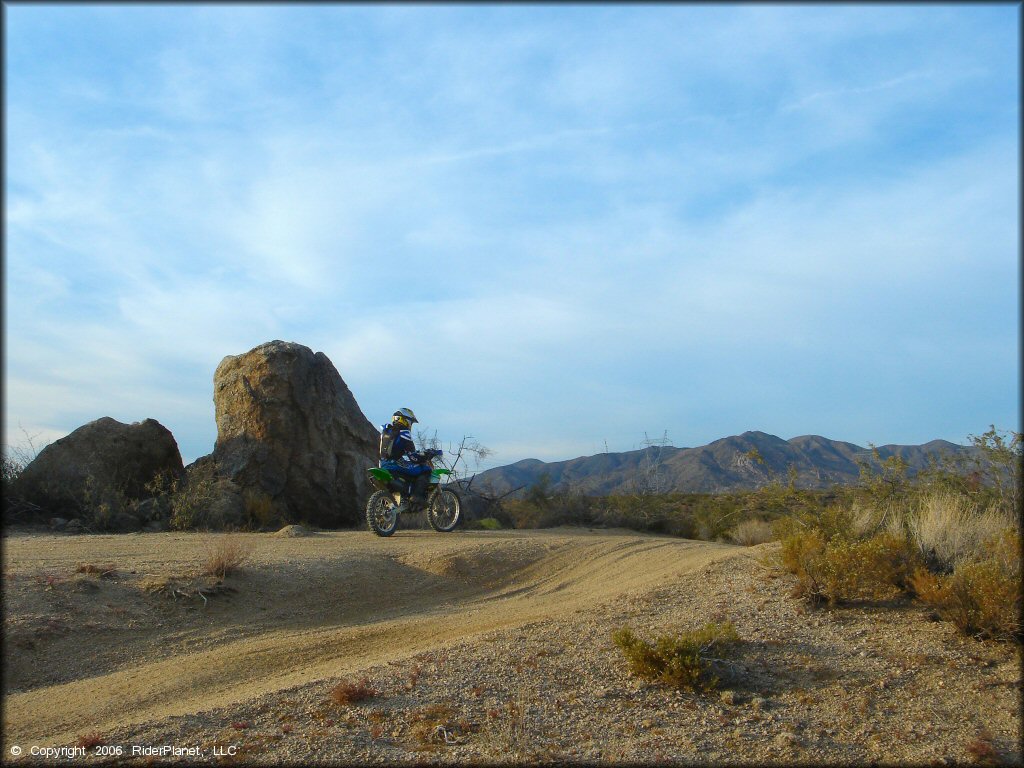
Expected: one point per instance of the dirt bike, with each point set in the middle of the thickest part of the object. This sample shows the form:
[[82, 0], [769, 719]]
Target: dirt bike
[[394, 496]]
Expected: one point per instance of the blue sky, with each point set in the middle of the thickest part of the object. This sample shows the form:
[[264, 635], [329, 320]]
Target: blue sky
[[553, 228]]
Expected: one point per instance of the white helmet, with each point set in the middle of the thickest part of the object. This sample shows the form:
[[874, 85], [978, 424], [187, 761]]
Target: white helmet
[[404, 417]]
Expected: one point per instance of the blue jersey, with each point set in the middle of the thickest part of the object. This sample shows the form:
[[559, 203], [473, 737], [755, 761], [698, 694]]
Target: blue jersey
[[395, 443]]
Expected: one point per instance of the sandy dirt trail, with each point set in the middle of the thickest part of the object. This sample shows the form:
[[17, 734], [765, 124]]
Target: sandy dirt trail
[[324, 606]]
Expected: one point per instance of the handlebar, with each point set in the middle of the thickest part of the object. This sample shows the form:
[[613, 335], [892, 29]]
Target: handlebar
[[430, 454]]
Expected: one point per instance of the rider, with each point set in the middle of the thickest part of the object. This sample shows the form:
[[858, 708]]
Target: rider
[[398, 452]]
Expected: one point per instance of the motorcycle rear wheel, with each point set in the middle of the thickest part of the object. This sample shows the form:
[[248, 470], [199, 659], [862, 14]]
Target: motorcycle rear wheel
[[382, 513], [444, 510]]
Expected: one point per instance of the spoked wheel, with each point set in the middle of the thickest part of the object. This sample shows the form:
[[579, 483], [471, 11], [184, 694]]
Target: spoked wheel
[[445, 510], [382, 513]]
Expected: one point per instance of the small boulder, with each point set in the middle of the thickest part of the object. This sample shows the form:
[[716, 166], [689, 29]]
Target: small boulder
[[100, 460], [123, 522]]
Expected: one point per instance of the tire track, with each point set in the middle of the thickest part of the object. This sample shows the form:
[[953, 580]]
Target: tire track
[[564, 572]]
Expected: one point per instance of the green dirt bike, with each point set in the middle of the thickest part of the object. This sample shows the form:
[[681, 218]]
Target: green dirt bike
[[393, 497]]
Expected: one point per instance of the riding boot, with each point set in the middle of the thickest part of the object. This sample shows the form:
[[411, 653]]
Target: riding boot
[[419, 486]]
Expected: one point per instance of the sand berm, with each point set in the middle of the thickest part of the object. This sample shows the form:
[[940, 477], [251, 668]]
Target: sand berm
[[478, 646]]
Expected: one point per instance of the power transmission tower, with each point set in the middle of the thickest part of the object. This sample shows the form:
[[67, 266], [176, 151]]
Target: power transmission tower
[[652, 480]]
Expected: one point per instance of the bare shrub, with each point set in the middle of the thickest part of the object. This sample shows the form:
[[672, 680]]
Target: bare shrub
[[513, 731], [103, 571], [193, 497], [867, 519], [260, 510], [434, 726], [347, 692], [752, 532], [225, 556], [949, 528]]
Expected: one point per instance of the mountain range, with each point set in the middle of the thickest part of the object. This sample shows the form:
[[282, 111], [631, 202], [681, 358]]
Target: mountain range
[[738, 463]]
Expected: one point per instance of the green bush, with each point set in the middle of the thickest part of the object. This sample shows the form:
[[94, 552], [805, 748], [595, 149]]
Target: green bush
[[683, 661]]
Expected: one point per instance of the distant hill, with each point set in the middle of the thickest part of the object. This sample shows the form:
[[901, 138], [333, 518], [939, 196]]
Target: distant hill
[[723, 466]]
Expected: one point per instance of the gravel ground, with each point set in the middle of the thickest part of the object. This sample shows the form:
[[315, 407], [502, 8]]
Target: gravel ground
[[882, 683]]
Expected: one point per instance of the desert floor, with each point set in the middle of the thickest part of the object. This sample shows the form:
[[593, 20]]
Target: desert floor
[[478, 647]]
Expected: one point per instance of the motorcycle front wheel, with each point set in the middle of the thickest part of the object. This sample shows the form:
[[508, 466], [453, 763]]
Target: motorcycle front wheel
[[444, 511], [382, 513]]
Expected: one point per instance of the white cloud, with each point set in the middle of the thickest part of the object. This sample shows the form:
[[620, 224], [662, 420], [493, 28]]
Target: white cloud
[[512, 224]]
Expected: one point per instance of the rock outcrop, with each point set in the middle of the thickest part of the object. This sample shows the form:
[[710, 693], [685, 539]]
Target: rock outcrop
[[102, 459], [289, 430]]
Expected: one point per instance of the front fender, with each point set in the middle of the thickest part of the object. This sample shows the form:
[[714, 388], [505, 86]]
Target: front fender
[[380, 477]]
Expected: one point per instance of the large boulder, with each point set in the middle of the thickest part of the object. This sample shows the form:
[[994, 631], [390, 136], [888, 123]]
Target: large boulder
[[104, 462], [289, 430]]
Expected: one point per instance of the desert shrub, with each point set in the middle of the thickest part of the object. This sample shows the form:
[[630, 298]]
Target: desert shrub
[[679, 524], [998, 465], [225, 556], [690, 515], [682, 661], [950, 528], [883, 481], [981, 597], [840, 570], [191, 496], [989, 475], [866, 520], [836, 521], [713, 517], [642, 512], [347, 692], [201, 500], [541, 506], [10, 469], [752, 532], [869, 569], [802, 554], [488, 524], [777, 498], [17, 500], [437, 725], [514, 730], [576, 508], [260, 511], [92, 569]]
